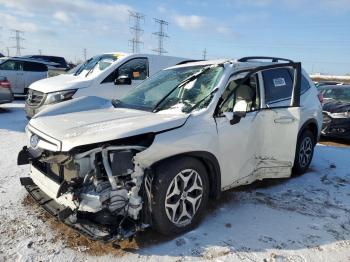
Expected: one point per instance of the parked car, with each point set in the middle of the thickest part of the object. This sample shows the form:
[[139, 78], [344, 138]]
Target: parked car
[[23, 72], [1, 55], [109, 75], [156, 155], [59, 62], [6, 95], [336, 111]]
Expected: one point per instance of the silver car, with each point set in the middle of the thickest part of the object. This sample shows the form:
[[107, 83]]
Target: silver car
[[6, 95], [22, 72]]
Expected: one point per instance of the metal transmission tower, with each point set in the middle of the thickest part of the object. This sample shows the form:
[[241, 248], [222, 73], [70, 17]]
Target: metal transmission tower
[[18, 39], [204, 54], [161, 35], [40, 52], [136, 30], [84, 54]]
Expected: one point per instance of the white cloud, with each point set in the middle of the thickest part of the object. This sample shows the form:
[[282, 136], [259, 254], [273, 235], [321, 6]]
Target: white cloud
[[12, 22], [189, 22], [62, 16]]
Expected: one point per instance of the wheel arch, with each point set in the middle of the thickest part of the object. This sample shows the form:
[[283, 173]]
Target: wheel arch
[[310, 124], [211, 165]]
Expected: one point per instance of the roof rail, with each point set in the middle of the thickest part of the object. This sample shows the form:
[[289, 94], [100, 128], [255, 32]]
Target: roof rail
[[189, 61], [273, 59]]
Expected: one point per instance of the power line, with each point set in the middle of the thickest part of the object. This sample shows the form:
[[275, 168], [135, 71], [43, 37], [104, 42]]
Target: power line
[[136, 30], [161, 35], [18, 40]]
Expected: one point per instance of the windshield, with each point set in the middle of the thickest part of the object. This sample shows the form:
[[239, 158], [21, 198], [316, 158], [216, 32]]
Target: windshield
[[98, 63], [337, 93], [165, 90]]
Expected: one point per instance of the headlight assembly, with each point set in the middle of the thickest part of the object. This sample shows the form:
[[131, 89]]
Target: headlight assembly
[[60, 96]]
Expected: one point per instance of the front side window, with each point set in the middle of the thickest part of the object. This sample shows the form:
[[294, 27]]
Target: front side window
[[12, 65], [162, 91], [135, 69], [247, 91], [278, 85]]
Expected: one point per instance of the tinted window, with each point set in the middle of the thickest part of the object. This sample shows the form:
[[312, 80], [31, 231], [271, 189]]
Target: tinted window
[[11, 65], [34, 67], [136, 69], [305, 85], [278, 84]]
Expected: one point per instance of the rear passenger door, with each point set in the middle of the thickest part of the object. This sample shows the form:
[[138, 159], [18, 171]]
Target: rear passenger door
[[33, 72], [136, 69], [281, 118]]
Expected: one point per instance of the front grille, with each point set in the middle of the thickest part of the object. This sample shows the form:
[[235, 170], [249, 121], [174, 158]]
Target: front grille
[[34, 98]]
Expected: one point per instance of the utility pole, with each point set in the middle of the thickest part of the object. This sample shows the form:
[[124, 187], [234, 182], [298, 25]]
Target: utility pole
[[18, 40], [40, 52], [84, 54], [136, 30], [161, 35], [8, 51], [204, 54]]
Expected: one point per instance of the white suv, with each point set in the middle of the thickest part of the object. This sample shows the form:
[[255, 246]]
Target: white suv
[[155, 156]]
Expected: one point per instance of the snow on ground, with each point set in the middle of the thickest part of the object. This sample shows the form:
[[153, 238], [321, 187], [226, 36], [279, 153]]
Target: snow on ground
[[306, 218]]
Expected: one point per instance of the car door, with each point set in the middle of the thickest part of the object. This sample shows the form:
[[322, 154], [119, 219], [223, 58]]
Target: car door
[[136, 69], [281, 120], [238, 143], [33, 71], [13, 71]]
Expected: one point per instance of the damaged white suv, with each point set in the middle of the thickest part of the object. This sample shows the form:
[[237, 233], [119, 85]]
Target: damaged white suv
[[155, 157]]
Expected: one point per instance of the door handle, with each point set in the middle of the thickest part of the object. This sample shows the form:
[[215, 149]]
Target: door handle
[[284, 120]]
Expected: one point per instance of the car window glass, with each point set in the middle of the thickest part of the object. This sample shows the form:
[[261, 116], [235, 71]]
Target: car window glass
[[278, 85], [11, 65], [248, 91], [34, 67], [305, 85], [136, 69]]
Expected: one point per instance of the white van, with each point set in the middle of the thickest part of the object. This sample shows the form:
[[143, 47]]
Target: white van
[[110, 75]]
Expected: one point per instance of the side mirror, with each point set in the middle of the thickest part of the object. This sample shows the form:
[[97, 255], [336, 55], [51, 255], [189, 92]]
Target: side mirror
[[239, 111], [122, 80]]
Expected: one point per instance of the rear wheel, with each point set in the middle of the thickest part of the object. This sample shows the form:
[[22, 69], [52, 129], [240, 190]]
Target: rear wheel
[[180, 195], [304, 152]]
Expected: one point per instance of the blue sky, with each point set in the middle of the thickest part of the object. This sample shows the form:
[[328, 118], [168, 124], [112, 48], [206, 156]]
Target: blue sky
[[315, 32]]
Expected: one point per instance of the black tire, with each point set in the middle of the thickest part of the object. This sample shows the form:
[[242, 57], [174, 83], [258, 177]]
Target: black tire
[[165, 174], [302, 163]]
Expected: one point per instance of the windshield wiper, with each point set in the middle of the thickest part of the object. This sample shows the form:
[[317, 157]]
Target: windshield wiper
[[116, 102], [157, 107]]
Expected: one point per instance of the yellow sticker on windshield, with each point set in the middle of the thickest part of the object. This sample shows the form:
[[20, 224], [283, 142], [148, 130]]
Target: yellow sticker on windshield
[[118, 55]]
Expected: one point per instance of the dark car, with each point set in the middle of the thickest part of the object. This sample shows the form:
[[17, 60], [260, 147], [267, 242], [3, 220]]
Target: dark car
[[6, 95], [60, 61], [336, 111], [1, 55]]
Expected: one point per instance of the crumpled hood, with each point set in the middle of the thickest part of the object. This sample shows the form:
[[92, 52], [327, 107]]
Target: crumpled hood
[[336, 106], [59, 83], [90, 120]]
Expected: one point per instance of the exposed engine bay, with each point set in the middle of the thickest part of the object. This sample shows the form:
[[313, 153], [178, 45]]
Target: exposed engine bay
[[100, 192]]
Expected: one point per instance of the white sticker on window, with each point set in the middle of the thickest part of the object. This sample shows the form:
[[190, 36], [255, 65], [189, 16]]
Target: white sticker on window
[[279, 82]]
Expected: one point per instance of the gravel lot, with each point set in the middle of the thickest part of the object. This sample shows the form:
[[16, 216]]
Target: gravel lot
[[305, 218]]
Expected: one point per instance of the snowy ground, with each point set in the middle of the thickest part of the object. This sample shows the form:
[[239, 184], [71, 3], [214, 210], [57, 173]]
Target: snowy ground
[[306, 218]]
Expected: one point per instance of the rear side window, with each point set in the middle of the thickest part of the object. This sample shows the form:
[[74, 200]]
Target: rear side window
[[12, 65], [278, 85], [34, 67]]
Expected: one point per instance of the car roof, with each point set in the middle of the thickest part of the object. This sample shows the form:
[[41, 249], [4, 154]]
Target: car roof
[[31, 60]]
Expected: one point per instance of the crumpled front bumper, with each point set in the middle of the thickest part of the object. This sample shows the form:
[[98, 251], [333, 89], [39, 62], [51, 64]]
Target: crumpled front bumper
[[335, 127]]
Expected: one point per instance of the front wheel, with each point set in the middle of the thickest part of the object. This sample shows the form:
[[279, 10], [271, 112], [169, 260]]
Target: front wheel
[[304, 152], [180, 195]]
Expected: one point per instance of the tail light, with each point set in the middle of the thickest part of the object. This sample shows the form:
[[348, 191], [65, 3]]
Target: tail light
[[320, 97], [5, 84]]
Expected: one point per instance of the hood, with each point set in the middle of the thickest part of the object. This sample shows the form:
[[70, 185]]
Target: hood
[[336, 106], [59, 83], [90, 120]]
